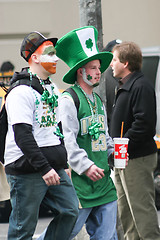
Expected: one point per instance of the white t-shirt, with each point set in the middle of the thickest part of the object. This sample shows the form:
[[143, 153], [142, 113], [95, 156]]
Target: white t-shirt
[[21, 108]]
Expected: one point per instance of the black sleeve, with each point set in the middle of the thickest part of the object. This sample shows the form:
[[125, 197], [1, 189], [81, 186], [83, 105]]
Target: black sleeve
[[144, 114], [26, 142]]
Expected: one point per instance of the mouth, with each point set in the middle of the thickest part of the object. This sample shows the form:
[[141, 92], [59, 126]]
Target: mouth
[[97, 79]]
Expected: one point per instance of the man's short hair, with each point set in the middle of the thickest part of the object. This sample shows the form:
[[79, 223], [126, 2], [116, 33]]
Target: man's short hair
[[129, 52]]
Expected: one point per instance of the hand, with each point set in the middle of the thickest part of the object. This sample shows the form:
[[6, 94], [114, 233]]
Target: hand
[[51, 178], [127, 159], [94, 173], [126, 162], [68, 171]]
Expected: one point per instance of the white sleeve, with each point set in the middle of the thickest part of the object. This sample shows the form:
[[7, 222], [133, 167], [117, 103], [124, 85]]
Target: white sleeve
[[77, 157], [20, 105]]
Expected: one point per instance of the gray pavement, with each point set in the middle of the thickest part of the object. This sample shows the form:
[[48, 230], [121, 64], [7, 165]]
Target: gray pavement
[[42, 223]]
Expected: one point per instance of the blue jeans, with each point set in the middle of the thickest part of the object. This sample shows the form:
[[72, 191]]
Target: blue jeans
[[100, 222], [27, 192]]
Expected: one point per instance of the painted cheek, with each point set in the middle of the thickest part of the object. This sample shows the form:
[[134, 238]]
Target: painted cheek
[[49, 63], [49, 67], [48, 58], [89, 77]]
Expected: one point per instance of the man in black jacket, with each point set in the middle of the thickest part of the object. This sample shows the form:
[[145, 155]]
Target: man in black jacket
[[135, 105], [34, 157]]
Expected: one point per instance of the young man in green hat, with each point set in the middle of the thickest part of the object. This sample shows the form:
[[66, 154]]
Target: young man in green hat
[[35, 159], [86, 133]]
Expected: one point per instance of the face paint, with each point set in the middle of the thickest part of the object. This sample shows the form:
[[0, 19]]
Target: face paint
[[89, 77], [96, 84], [85, 77], [49, 59]]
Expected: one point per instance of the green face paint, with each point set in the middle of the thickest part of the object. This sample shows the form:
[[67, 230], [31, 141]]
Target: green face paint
[[89, 77], [96, 84], [49, 50]]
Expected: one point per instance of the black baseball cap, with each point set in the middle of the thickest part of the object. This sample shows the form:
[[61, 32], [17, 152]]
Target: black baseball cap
[[111, 44], [31, 42]]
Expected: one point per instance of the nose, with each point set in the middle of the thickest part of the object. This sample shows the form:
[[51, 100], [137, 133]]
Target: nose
[[98, 71], [56, 58], [111, 64]]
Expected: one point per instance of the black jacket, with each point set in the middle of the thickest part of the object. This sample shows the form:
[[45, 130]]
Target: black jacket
[[111, 84], [135, 105]]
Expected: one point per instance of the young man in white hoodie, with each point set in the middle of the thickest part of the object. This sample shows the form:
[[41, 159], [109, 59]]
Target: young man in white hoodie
[[35, 158]]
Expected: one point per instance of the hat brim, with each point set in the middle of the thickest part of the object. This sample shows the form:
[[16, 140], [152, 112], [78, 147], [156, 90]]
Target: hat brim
[[104, 57], [53, 40]]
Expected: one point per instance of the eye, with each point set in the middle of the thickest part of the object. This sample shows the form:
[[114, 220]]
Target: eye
[[51, 53], [50, 50]]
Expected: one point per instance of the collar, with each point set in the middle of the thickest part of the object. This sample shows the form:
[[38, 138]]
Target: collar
[[130, 79], [47, 81], [126, 78]]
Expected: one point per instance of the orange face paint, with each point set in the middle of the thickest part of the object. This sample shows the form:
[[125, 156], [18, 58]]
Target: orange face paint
[[48, 57], [49, 67]]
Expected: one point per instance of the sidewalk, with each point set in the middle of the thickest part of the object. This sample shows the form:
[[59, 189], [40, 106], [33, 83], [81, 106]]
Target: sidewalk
[[82, 235]]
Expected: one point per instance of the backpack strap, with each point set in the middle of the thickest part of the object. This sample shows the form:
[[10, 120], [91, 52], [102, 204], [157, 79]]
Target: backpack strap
[[34, 84], [2, 85], [3, 131], [74, 96], [3, 114]]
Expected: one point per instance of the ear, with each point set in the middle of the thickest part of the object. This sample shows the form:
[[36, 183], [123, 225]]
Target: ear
[[35, 58], [126, 65], [79, 71]]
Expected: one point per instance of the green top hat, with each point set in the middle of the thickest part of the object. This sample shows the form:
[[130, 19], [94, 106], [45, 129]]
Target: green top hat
[[79, 47]]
